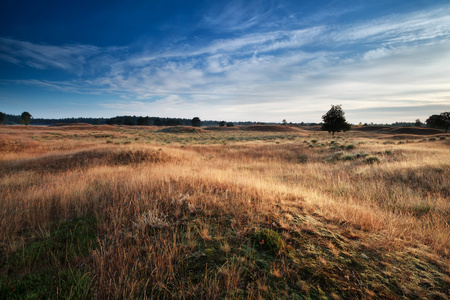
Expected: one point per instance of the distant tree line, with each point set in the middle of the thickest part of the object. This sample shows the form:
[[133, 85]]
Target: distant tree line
[[155, 121], [118, 120], [16, 119], [25, 118], [333, 121]]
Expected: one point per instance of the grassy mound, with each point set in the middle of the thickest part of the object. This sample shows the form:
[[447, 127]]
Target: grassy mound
[[414, 130], [223, 128], [84, 125], [370, 128], [87, 159], [400, 130], [181, 129], [271, 128]]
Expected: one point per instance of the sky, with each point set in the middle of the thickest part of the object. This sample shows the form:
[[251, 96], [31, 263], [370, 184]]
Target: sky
[[384, 61]]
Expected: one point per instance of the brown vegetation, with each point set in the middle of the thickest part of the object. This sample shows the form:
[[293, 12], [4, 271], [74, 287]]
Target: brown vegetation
[[233, 214], [271, 128]]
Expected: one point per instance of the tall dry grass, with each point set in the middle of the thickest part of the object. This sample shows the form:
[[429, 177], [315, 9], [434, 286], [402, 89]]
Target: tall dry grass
[[134, 190]]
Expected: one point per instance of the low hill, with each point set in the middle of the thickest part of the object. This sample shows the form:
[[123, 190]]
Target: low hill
[[415, 130], [400, 130], [223, 128], [181, 129], [371, 128], [272, 128], [82, 126]]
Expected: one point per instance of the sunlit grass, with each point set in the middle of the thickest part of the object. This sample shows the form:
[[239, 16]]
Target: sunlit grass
[[235, 214]]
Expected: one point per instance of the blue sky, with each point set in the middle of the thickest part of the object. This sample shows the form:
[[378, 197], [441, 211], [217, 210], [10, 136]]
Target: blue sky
[[384, 61]]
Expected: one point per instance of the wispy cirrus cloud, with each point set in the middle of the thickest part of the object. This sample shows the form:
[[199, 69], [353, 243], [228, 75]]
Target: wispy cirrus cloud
[[238, 15], [70, 58], [396, 29]]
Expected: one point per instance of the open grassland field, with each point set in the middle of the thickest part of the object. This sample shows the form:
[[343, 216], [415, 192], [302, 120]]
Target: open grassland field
[[271, 212]]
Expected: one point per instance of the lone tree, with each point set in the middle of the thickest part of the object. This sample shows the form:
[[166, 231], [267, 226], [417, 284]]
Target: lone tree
[[25, 118], [195, 122], [2, 117], [334, 120], [439, 121]]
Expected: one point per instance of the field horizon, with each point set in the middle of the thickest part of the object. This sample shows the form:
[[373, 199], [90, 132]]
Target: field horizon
[[242, 212]]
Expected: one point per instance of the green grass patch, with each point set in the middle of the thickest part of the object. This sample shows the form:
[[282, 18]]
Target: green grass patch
[[53, 266], [268, 240]]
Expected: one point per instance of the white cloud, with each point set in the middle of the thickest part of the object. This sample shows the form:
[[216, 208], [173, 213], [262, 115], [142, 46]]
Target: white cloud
[[396, 28], [237, 15], [67, 57], [77, 59]]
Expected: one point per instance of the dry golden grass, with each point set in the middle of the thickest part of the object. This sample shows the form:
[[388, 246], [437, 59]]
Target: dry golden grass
[[168, 207]]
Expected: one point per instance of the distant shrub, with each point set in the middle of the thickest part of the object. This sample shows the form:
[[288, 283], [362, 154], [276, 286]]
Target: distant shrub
[[348, 157], [313, 141], [442, 138], [109, 141], [350, 147], [302, 158], [432, 139], [372, 159], [335, 156], [388, 152], [361, 155]]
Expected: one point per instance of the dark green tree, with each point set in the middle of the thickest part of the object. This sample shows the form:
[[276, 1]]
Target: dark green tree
[[196, 122], [25, 118], [230, 124], [222, 123], [418, 123], [2, 117], [439, 121], [334, 120]]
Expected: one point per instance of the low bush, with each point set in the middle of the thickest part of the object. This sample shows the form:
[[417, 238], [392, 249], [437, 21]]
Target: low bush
[[372, 160], [268, 240]]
